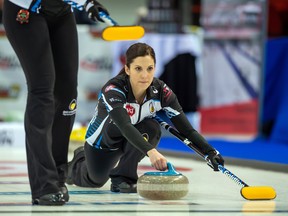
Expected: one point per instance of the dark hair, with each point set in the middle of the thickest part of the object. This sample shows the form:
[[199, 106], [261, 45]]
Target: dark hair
[[138, 50]]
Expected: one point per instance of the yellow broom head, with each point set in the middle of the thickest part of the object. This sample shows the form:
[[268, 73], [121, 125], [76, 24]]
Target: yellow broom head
[[258, 193], [114, 33]]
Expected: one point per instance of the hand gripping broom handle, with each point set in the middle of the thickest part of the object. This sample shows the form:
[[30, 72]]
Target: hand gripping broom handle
[[188, 143], [107, 19]]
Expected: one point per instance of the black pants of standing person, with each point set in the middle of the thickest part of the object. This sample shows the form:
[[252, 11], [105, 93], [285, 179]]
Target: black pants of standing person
[[47, 48], [98, 165]]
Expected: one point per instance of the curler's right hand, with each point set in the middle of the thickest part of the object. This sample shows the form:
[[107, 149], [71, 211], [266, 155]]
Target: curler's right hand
[[158, 161]]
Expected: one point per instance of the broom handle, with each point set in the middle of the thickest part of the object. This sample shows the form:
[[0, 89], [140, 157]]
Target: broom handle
[[188, 143]]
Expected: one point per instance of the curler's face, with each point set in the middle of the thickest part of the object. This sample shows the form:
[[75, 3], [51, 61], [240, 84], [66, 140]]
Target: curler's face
[[141, 73]]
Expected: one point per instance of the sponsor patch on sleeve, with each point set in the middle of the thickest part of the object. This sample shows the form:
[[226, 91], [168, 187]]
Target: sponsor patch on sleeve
[[109, 87]]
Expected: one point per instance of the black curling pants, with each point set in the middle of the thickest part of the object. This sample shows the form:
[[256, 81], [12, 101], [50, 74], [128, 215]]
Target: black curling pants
[[118, 164], [47, 48]]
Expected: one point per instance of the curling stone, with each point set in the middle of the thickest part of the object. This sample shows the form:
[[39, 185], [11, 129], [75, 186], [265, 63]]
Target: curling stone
[[170, 185]]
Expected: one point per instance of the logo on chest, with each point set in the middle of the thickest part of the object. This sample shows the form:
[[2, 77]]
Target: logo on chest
[[130, 110], [151, 108]]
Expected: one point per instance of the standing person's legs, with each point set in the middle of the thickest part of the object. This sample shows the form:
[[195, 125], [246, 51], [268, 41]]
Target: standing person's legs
[[126, 170], [65, 54], [32, 46]]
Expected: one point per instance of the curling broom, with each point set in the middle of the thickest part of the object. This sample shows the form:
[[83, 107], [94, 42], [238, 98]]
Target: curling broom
[[247, 192], [116, 32]]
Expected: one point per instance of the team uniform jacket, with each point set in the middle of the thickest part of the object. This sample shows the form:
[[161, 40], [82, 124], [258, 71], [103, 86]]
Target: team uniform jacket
[[117, 103], [49, 6]]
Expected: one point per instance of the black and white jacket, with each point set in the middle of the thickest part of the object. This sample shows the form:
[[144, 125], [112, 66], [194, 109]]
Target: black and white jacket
[[117, 103]]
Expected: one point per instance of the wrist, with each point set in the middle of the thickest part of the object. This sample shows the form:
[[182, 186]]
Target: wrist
[[152, 151]]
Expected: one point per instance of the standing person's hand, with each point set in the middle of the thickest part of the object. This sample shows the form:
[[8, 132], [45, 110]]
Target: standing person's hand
[[158, 161], [93, 8]]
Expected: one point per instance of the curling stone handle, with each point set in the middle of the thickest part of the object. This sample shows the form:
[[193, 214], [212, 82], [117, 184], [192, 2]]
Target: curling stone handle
[[171, 169], [170, 172]]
